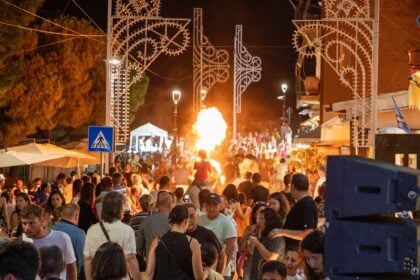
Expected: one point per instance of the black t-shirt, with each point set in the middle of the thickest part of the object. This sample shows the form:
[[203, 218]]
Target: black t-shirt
[[204, 235], [246, 187], [259, 193], [303, 215]]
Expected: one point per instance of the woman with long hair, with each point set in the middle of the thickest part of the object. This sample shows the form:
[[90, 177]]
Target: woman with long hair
[[175, 255], [52, 208], [86, 203], [312, 248], [250, 230], [22, 199], [262, 248], [77, 188], [280, 204]]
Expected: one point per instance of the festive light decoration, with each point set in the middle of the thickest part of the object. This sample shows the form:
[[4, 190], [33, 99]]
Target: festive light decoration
[[247, 69], [210, 65], [345, 39], [137, 35]]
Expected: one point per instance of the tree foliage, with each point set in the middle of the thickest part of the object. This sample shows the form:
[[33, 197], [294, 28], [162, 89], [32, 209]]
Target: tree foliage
[[58, 82], [52, 84], [14, 40], [138, 93]]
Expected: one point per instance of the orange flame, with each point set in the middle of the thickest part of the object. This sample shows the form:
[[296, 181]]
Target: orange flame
[[211, 129]]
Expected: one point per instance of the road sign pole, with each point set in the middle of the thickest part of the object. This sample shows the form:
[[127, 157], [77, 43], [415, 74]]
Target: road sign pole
[[101, 139], [102, 165]]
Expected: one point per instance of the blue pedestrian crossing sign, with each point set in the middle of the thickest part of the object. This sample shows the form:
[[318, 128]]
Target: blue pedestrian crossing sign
[[101, 139]]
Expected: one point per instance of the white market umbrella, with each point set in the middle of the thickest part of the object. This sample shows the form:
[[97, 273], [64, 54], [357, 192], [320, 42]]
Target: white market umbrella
[[13, 158], [65, 158]]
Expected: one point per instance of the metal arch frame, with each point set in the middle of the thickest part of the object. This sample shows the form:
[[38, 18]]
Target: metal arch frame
[[348, 28], [137, 35], [247, 69], [210, 66]]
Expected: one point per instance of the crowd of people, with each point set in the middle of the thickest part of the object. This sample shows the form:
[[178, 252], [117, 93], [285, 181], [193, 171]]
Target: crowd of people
[[165, 222]]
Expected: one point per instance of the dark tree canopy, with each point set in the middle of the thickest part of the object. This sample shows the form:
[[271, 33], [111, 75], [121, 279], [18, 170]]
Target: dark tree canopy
[[52, 84]]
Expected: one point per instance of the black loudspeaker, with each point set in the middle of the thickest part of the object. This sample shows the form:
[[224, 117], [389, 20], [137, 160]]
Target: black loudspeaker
[[362, 187], [418, 21], [371, 250]]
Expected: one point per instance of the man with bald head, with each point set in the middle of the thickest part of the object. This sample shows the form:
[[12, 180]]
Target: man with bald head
[[155, 225], [68, 224]]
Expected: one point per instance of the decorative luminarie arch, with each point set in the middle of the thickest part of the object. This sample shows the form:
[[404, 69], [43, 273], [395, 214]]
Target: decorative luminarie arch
[[210, 65], [247, 69], [345, 39], [137, 35]]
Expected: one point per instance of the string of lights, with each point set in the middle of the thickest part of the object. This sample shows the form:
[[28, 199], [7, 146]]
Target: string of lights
[[86, 14], [37, 16], [49, 32]]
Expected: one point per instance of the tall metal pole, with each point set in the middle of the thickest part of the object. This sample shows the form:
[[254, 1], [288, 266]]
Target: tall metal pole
[[284, 90], [105, 166], [175, 132], [176, 96], [375, 55], [284, 107]]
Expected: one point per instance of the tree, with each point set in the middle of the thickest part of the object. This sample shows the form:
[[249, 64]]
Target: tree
[[62, 83], [138, 93], [53, 83], [13, 41]]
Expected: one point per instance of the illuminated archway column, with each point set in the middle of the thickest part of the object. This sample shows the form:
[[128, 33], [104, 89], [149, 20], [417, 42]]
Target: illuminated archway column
[[136, 36], [247, 69], [347, 39], [210, 66]]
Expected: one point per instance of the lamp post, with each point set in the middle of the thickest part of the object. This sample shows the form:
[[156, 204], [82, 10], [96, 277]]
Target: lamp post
[[176, 96], [112, 66], [284, 90], [203, 94]]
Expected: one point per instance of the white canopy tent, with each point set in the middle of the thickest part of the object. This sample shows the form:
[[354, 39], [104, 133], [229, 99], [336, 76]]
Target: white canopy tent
[[143, 138]]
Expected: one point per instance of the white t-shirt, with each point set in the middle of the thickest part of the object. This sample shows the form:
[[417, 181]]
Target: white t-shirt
[[60, 239], [118, 232]]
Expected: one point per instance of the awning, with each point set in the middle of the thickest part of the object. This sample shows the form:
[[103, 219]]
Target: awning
[[64, 158], [13, 158]]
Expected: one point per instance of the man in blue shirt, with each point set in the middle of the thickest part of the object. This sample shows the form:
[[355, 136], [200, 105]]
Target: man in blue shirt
[[68, 224]]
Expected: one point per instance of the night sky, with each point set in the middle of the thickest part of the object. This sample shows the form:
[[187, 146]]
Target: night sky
[[267, 32]]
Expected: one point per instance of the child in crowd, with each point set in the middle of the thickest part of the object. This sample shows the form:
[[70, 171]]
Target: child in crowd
[[294, 264], [273, 270], [209, 257]]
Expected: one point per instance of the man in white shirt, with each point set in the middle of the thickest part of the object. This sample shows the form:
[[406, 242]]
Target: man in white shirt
[[36, 233]]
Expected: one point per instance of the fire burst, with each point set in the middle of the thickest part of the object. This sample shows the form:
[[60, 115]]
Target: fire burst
[[211, 129]]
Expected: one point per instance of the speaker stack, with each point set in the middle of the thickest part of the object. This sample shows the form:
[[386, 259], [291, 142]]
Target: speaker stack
[[370, 230]]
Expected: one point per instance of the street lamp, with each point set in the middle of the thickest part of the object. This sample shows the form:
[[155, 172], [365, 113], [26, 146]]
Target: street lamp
[[284, 89], [203, 94], [176, 96]]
